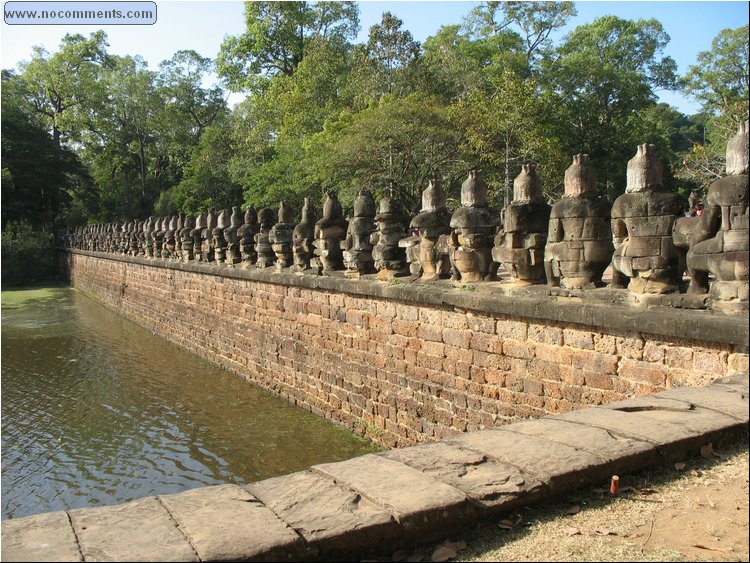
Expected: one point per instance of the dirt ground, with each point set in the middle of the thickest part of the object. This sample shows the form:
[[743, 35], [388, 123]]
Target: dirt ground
[[694, 511]]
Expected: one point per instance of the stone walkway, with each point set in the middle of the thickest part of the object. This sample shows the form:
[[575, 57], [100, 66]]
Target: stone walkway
[[396, 498]]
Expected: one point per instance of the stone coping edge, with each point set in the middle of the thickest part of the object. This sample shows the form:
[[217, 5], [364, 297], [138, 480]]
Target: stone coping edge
[[671, 316], [393, 499]]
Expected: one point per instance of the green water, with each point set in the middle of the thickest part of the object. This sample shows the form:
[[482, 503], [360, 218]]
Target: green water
[[97, 411]]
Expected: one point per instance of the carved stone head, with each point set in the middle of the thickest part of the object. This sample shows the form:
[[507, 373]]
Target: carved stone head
[[737, 151], [645, 170], [364, 205], [236, 219], [286, 213], [433, 197], [580, 177], [527, 188], [332, 206], [474, 190]]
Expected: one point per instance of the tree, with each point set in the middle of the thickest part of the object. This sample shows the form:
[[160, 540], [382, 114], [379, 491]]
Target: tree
[[36, 175], [604, 74], [180, 79], [504, 127], [59, 86], [720, 83], [391, 51], [392, 148], [455, 63], [277, 37], [207, 181], [518, 30], [720, 79]]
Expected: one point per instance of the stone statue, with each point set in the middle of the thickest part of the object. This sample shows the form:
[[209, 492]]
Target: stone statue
[[430, 223], [266, 256], [280, 236], [357, 246], [207, 240], [473, 226], [232, 237], [187, 240], [177, 239], [519, 244], [719, 243], [579, 240], [141, 238], [390, 258], [133, 238], [217, 235], [246, 234], [303, 237], [170, 239], [159, 231], [200, 225], [645, 258], [149, 238], [330, 230]]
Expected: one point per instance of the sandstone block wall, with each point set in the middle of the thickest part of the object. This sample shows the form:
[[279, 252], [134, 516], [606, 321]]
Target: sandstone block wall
[[400, 372]]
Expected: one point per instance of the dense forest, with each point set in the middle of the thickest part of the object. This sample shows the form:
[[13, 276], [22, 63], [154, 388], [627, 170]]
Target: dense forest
[[91, 137]]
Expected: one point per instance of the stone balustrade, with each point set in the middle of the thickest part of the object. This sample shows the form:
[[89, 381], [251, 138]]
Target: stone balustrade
[[643, 237]]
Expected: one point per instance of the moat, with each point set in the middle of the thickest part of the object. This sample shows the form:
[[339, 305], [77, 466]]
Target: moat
[[97, 411]]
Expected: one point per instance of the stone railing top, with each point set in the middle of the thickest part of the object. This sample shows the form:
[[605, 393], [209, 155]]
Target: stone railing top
[[670, 315]]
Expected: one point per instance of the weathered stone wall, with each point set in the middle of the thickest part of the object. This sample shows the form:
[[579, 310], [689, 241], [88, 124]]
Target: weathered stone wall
[[404, 363]]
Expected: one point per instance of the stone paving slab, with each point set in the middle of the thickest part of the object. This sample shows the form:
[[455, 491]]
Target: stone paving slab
[[421, 505], [329, 518], [46, 537], [557, 465], [738, 382], [717, 398], [141, 530], [226, 523], [629, 424], [618, 453], [495, 486]]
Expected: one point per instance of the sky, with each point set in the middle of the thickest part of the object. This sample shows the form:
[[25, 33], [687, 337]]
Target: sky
[[202, 25]]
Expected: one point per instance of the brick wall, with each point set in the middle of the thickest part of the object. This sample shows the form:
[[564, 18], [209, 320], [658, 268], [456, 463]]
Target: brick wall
[[397, 372]]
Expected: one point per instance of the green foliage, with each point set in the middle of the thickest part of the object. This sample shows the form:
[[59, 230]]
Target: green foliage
[[37, 177], [720, 79], [604, 74], [391, 148], [720, 83], [277, 36], [20, 236], [100, 137], [59, 87]]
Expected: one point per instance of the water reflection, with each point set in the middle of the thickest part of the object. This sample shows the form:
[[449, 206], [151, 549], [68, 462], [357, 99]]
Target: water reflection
[[96, 410]]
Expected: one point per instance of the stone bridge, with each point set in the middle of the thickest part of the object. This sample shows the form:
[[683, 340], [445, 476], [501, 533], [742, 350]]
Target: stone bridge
[[356, 320]]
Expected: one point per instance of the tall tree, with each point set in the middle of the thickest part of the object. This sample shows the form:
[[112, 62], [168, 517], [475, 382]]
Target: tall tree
[[720, 79], [720, 83], [519, 31], [391, 50], [37, 175], [605, 73], [60, 84], [392, 148], [181, 81], [277, 36], [504, 126]]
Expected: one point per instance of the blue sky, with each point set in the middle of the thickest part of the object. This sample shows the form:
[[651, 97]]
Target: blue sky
[[201, 25]]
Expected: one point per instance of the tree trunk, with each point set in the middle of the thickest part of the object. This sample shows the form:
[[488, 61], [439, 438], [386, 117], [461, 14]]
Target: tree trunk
[[506, 195], [142, 150]]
